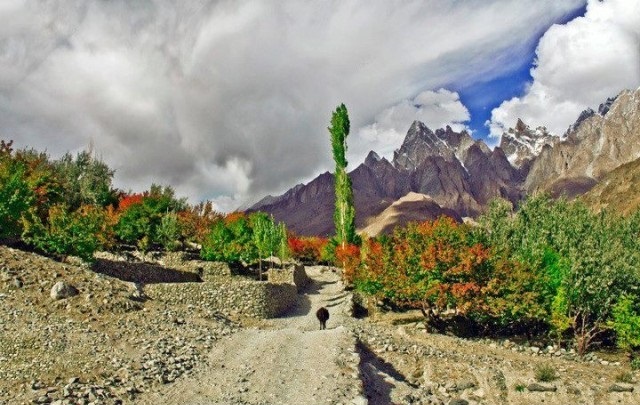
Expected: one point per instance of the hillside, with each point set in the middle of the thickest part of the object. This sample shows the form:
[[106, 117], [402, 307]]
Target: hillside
[[618, 191], [413, 207]]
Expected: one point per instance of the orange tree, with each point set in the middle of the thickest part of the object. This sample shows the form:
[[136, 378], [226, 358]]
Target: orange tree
[[439, 265], [307, 249]]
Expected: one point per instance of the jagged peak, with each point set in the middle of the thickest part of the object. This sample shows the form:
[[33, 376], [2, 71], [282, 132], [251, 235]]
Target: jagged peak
[[372, 158], [521, 126], [417, 126]]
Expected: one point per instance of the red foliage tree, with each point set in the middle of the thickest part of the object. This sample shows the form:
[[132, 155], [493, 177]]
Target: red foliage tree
[[307, 249], [348, 257]]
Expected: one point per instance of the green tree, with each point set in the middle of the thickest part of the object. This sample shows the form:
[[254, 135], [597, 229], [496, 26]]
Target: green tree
[[141, 222], [230, 240], [264, 237], [169, 231], [344, 216], [86, 179], [15, 198], [66, 232]]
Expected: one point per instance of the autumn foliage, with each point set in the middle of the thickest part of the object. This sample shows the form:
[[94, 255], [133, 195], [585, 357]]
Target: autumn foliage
[[348, 257], [433, 266], [307, 249]]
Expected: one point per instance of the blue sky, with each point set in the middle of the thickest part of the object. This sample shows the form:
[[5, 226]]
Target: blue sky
[[229, 100], [481, 97]]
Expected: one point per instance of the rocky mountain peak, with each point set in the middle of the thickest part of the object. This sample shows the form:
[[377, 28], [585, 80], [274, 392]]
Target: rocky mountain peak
[[422, 143], [584, 115], [522, 144], [595, 145], [372, 158], [604, 108]]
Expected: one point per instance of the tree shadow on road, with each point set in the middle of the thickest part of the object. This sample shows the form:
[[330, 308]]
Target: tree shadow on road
[[375, 373]]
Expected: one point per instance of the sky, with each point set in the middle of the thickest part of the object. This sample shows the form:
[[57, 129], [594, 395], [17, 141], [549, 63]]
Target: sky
[[229, 100]]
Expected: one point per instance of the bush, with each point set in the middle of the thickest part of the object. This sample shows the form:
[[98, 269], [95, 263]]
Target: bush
[[626, 323], [546, 373], [141, 216], [86, 180], [230, 240], [625, 377], [16, 198], [77, 233], [169, 232]]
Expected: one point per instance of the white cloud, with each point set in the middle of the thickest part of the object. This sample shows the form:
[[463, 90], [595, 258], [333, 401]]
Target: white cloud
[[231, 99], [579, 65], [435, 108]]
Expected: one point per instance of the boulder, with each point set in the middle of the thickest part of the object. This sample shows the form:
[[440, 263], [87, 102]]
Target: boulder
[[621, 387], [62, 290]]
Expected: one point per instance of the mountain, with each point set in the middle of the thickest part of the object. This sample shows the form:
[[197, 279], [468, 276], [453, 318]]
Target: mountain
[[455, 171], [617, 191], [460, 175], [411, 207], [598, 143], [521, 144]]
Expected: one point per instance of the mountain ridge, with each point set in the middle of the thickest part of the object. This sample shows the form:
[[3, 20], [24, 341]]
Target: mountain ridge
[[461, 174]]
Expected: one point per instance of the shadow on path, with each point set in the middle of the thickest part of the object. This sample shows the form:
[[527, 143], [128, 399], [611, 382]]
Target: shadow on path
[[375, 373]]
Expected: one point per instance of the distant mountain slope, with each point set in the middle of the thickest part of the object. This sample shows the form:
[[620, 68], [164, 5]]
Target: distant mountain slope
[[594, 146], [413, 207], [618, 191]]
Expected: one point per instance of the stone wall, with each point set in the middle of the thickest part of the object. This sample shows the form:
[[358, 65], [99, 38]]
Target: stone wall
[[251, 298], [292, 274]]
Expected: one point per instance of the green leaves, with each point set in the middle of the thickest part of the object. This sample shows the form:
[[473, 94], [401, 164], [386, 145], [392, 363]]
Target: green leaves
[[238, 238], [344, 215], [67, 232]]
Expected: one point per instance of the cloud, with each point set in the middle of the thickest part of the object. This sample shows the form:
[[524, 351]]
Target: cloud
[[435, 108], [579, 65], [230, 100]]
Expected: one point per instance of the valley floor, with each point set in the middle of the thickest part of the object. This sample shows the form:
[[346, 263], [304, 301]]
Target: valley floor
[[104, 348]]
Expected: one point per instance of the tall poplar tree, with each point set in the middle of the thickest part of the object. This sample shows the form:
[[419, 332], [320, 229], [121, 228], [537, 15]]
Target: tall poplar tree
[[345, 213]]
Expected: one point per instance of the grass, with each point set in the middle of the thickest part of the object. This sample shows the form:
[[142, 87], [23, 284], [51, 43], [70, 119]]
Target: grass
[[625, 377], [635, 364], [546, 373], [519, 387]]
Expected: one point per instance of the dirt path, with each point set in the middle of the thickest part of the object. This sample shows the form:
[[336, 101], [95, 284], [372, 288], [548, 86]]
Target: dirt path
[[284, 361]]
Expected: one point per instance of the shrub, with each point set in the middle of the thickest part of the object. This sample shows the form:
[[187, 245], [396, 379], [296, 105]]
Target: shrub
[[169, 232], [86, 180], [230, 240], [196, 221], [16, 197], [546, 373], [626, 323], [77, 233], [140, 217], [625, 377]]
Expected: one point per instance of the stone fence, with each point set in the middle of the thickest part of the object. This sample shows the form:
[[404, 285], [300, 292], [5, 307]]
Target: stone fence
[[292, 274], [176, 278], [250, 298]]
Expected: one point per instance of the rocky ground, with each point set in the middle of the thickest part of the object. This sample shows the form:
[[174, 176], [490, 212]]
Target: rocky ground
[[108, 345], [105, 345]]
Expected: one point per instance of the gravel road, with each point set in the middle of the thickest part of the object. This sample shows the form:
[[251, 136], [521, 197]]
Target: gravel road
[[282, 361]]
